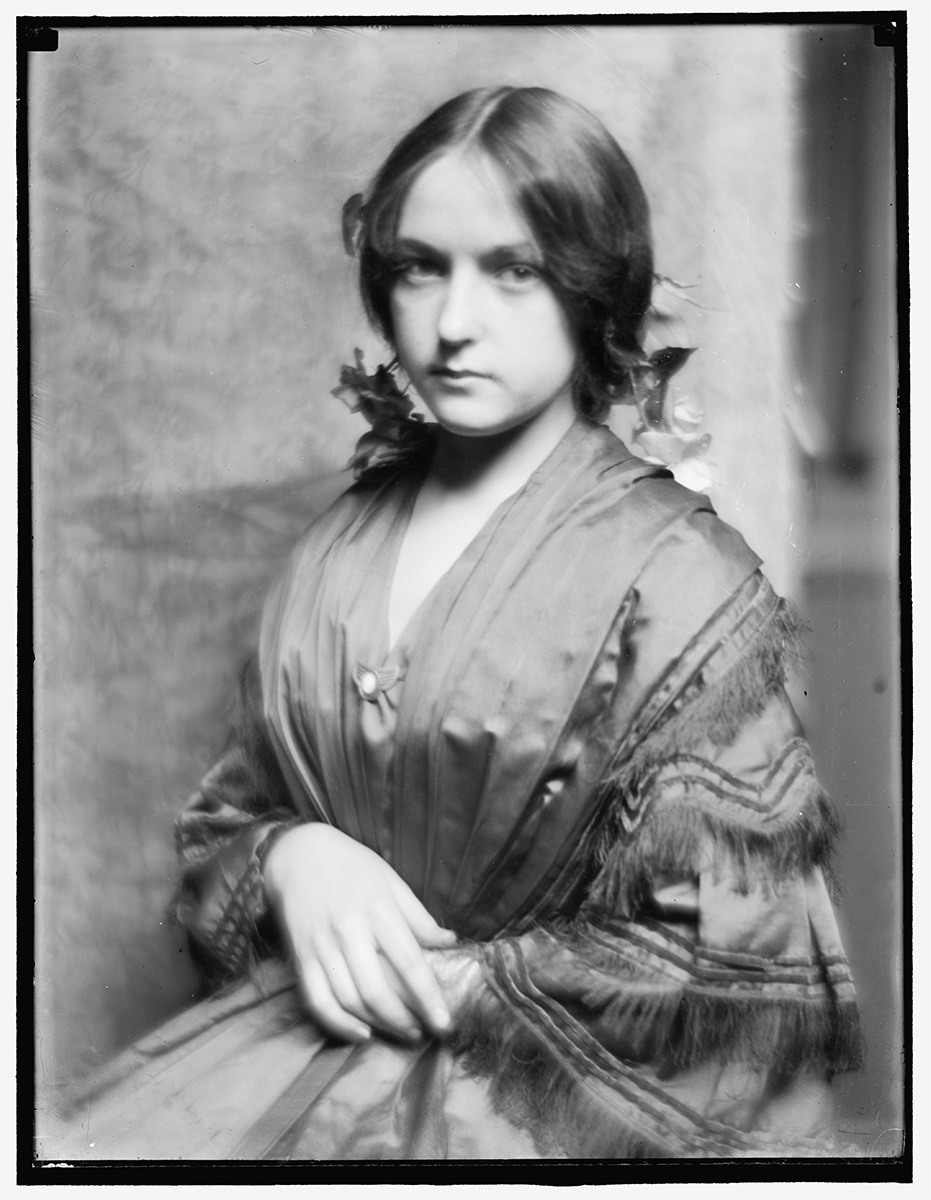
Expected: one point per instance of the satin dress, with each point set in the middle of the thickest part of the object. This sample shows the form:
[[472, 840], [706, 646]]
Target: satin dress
[[580, 756]]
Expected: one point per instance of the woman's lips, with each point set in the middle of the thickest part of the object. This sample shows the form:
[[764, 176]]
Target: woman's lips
[[449, 373]]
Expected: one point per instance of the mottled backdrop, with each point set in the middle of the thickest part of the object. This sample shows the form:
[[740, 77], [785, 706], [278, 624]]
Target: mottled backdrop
[[192, 304]]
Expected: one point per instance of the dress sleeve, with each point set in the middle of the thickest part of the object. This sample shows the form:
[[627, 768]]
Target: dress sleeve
[[698, 1001], [222, 837]]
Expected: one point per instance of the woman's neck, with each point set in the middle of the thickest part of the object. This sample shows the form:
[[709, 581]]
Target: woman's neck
[[469, 477], [499, 463]]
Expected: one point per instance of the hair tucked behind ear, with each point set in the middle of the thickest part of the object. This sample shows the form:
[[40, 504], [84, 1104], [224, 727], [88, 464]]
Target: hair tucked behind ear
[[578, 193]]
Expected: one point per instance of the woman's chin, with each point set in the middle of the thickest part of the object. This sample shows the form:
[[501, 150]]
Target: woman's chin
[[469, 418], [482, 412]]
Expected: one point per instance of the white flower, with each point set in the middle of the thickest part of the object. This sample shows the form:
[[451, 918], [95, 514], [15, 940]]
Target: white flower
[[686, 418], [694, 474]]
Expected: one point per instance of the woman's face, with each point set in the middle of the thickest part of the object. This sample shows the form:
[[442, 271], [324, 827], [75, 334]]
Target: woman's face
[[477, 328]]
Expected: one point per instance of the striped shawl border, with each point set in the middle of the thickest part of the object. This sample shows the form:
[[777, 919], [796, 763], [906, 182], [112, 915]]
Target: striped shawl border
[[724, 677], [806, 1015], [687, 816], [771, 801], [550, 1075], [753, 633], [626, 949]]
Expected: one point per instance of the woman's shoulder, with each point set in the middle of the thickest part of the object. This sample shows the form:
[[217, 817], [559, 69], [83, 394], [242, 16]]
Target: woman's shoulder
[[697, 562], [679, 522], [652, 485], [688, 556], [379, 491]]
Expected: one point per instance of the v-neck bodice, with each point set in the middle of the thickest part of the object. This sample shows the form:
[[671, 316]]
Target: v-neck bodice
[[377, 667], [466, 754], [468, 520]]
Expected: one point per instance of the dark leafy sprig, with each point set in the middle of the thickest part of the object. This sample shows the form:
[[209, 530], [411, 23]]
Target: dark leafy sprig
[[397, 431]]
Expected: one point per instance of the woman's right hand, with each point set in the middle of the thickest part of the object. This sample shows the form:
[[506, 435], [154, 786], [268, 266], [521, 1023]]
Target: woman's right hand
[[357, 934]]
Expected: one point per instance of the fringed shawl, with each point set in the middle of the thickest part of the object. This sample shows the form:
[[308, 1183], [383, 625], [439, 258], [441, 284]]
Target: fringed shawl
[[596, 778], [699, 1000]]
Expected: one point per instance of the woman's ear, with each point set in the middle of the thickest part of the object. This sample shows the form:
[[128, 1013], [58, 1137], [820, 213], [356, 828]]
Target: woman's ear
[[353, 211]]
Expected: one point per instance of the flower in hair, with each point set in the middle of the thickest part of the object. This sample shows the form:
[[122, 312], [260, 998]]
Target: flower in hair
[[668, 429], [397, 431]]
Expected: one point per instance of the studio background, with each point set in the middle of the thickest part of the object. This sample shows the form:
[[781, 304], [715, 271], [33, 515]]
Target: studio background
[[191, 306]]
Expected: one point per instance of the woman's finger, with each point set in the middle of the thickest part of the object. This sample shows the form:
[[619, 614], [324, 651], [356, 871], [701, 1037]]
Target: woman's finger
[[379, 991], [325, 1007], [424, 928], [400, 947], [345, 991]]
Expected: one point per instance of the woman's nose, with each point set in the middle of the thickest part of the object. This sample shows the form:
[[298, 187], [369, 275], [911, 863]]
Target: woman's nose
[[461, 310]]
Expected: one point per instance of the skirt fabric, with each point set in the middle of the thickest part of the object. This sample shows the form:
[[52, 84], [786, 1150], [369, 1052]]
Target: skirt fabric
[[249, 1076]]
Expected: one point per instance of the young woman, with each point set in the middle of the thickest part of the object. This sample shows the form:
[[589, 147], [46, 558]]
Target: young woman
[[518, 849]]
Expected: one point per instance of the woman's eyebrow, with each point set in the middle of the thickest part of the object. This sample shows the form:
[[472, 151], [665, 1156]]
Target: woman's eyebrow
[[521, 250], [409, 245], [525, 251]]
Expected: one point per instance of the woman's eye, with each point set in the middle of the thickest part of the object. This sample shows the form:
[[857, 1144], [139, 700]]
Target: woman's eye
[[417, 269], [519, 274]]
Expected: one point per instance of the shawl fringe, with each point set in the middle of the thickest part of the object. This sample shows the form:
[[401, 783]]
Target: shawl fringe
[[540, 1091], [683, 1020], [714, 712], [717, 711], [688, 1026], [682, 836], [645, 836], [793, 1036]]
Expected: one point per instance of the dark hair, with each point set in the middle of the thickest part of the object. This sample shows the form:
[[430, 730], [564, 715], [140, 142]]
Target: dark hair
[[581, 198]]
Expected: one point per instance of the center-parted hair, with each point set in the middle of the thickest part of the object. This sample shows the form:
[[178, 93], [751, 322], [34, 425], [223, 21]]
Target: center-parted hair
[[578, 193]]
